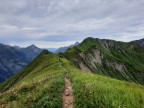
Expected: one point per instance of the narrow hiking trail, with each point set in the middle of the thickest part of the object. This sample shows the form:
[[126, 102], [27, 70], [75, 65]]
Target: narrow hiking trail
[[67, 95]]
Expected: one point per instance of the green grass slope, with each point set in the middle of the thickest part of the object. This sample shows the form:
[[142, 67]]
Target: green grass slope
[[95, 91], [40, 84], [124, 61]]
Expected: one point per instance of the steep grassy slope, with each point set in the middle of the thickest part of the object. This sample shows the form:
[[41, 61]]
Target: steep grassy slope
[[40, 84], [95, 91], [124, 61]]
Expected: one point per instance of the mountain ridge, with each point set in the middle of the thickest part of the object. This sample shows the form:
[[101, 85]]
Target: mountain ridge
[[32, 51], [42, 85], [108, 57]]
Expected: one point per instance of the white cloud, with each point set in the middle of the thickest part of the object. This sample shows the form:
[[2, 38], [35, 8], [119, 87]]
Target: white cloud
[[10, 27], [30, 28]]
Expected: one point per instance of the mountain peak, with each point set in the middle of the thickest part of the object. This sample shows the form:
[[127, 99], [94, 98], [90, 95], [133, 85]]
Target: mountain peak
[[17, 47], [33, 46], [76, 43], [44, 52], [89, 38]]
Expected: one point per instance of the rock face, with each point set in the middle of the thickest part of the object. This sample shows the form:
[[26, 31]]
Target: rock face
[[14, 59], [140, 42], [115, 59], [63, 49]]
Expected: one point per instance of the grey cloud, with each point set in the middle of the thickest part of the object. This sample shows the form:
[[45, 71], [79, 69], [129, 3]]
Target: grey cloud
[[70, 18]]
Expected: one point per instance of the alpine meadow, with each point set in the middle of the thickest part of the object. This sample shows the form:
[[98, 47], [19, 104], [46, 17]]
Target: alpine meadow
[[103, 73]]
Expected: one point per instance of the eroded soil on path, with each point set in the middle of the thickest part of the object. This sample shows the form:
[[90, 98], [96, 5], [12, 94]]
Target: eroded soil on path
[[67, 95]]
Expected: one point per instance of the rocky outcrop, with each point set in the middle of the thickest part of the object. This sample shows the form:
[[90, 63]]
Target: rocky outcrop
[[84, 67], [140, 42]]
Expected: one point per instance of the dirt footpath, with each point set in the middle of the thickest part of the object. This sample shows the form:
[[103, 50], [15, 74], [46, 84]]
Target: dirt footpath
[[67, 95]]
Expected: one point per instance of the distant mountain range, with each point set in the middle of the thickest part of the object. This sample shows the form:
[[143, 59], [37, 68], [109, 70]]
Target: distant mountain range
[[31, 52], [63, 49], [14, 59]]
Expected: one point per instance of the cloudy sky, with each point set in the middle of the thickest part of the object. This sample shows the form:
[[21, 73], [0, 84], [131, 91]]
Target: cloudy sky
[[55, 23]]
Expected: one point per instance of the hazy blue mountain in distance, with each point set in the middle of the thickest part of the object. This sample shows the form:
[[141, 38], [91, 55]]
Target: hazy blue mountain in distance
[[31, 52], [14, 59], [63, 49], [140, 42], [11, 61], [17, 47]]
